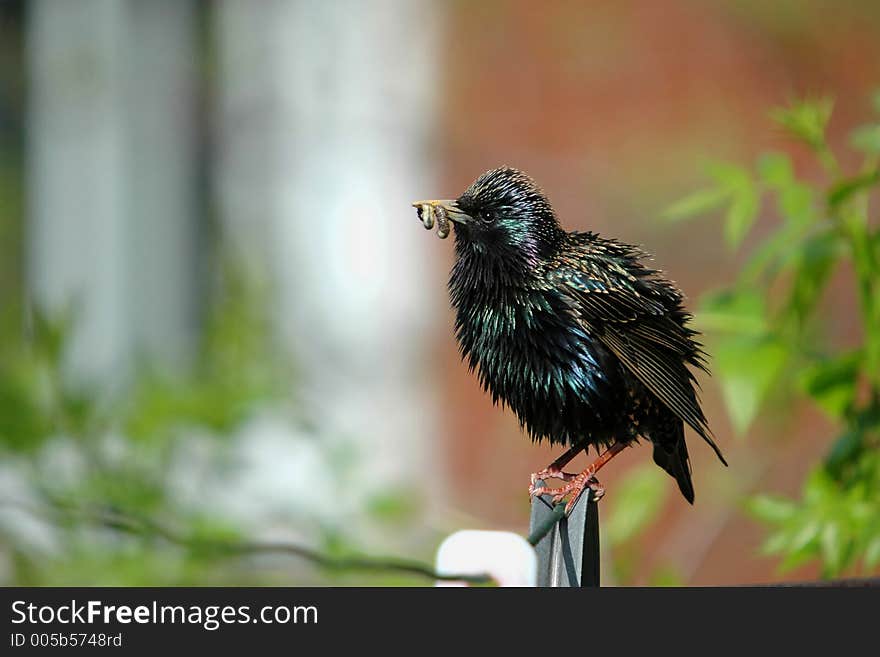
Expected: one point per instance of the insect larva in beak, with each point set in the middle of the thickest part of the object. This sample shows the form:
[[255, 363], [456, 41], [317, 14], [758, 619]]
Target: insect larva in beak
[[426, 214], [442, 222]]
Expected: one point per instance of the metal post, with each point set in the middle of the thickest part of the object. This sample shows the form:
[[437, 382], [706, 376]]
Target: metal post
[[568, 554]]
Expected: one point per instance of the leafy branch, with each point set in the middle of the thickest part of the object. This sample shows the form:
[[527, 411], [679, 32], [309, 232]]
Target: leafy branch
[[214, 546], [772, 340]]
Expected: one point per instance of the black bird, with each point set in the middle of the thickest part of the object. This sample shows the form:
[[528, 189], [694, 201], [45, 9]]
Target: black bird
[[574, 332]]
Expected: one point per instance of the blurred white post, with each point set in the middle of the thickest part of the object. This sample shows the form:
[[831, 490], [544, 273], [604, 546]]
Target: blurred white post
[[110, 164], [76, 175], [163, 215], [327, 111]]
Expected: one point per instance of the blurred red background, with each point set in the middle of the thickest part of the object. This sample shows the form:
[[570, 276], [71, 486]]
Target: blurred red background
[[614, 108]]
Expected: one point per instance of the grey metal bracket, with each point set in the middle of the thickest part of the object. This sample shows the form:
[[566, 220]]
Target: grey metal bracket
[[568, 554]]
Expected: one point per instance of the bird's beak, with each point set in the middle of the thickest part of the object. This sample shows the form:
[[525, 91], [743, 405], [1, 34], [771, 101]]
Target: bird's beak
[[450, 206]]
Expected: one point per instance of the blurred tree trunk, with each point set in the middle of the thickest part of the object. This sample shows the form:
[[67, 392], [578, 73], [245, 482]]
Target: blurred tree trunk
[[326, 115], [110, 172]]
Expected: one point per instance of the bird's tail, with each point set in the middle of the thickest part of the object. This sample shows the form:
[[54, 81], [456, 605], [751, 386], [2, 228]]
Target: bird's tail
[[672, 455]]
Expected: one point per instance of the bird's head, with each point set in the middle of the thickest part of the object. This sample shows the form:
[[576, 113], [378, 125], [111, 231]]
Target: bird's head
[[503, 214]]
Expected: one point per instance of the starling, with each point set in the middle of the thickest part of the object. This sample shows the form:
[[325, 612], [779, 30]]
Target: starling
[[586, 344]]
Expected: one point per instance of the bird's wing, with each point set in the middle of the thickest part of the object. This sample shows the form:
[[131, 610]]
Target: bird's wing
[[639, 316]]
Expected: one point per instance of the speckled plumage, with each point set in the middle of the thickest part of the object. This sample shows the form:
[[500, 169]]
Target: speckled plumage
[[572, 331]]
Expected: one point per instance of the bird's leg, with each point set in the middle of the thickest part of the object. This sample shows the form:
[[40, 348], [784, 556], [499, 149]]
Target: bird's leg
[[586, 479], [554, 470]]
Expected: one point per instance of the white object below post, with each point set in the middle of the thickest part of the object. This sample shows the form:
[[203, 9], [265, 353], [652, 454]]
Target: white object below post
[[504, 556]]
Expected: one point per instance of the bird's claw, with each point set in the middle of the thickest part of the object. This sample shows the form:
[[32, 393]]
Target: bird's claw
[[574, 486], [548, 473]]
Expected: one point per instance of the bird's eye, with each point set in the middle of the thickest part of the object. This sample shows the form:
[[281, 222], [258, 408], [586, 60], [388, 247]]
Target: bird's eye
[[487, 217]]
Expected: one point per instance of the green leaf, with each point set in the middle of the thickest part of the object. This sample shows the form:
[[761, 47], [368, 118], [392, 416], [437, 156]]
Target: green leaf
[[766, 255], [846, 189], [747, 360], [806, 120], [776, 543], [813, 264], [831, 382], [727, 175], [820, 488], [844, 451], [771, 508], [797, 204], [738, 185], [806, 535], [700, 202], [866, 139], [748, 367], [795, 560], [832, 543], [741, 214], [638, 499], [775, 170], [741, 312]]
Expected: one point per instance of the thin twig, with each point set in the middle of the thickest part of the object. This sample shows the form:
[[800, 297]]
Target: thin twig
[[145, 527]]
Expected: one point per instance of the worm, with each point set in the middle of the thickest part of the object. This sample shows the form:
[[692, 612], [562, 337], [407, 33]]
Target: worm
[[426, 215], [431, 214], [442, 222]]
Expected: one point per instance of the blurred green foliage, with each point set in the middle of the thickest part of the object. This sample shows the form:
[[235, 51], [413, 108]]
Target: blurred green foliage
[[92, 473], [94, 464], [772, 340], [639, 498]]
